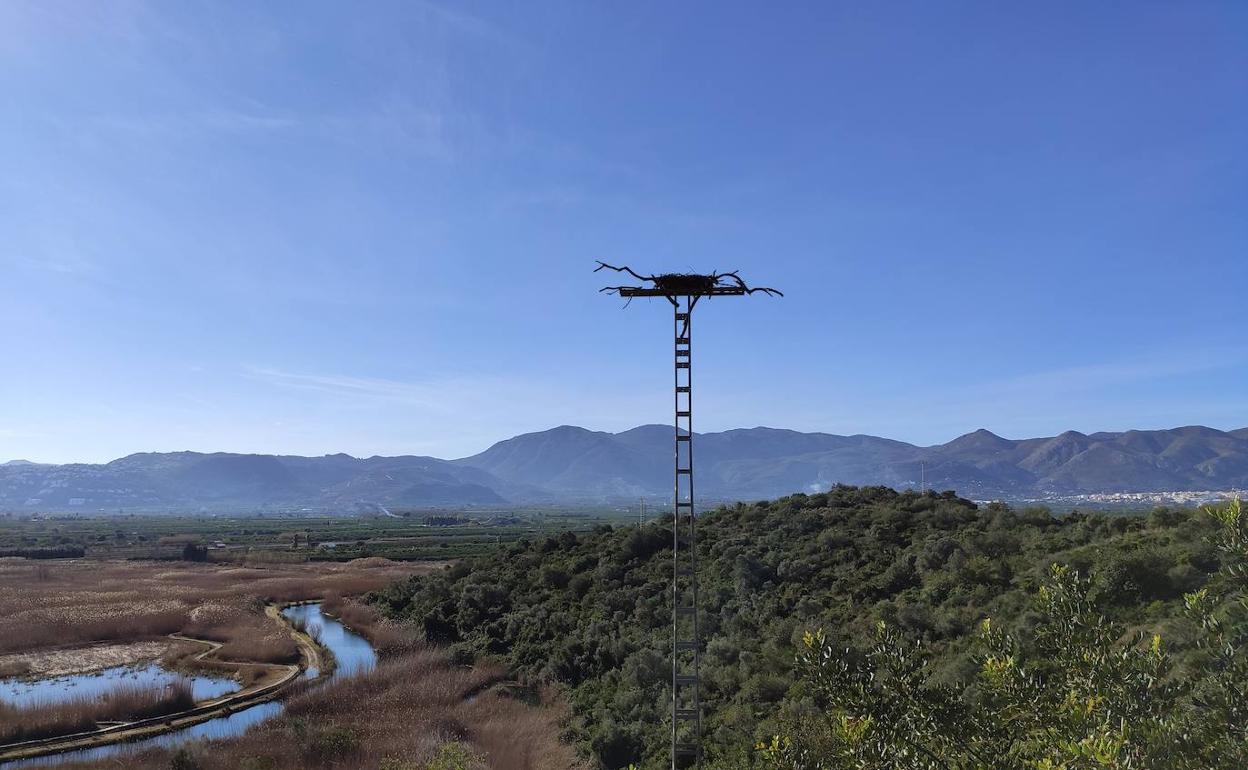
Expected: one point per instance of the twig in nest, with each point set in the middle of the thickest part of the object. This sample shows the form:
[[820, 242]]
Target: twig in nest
[[693, 284]]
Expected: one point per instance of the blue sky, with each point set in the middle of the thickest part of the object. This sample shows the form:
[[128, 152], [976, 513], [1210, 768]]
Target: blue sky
[[368, 227]]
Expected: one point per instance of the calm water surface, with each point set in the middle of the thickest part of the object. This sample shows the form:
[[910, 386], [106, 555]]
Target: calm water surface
[[353, 653], [42, 692]]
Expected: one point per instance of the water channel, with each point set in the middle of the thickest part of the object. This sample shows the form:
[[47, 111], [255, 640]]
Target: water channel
[[352, 653]]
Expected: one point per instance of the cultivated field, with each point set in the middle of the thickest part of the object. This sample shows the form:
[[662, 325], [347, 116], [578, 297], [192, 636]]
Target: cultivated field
[[408, 536]]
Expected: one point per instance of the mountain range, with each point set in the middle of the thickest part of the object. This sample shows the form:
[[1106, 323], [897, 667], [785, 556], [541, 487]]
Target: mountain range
[[569, 465]]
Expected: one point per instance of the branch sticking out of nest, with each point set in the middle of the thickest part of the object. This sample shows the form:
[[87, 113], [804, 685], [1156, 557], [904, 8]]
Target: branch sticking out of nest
[[694, 284]]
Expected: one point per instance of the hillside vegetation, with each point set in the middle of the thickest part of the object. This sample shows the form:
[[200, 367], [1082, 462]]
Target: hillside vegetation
[[591, 612]]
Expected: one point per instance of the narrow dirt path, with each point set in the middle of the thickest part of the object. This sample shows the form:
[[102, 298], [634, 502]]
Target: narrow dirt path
[[309, 650], [261, 692]]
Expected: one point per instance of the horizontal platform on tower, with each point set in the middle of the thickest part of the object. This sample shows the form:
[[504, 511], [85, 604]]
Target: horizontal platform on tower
[[718, 291]]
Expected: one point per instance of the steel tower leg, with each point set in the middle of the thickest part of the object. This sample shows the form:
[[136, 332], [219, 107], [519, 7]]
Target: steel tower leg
[[686, 697]]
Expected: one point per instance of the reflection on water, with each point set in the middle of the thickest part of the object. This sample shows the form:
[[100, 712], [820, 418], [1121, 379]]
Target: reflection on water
[[224, 727], [41, 692], [352, 652]]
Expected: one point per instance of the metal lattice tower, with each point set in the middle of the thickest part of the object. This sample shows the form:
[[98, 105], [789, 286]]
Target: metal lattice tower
[[684, 291], [686, 655]]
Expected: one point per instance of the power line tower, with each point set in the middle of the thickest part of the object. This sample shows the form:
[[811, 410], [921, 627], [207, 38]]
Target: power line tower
[[683, 290]]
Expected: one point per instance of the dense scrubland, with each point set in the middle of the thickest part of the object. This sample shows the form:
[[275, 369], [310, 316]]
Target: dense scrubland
[[590, 614]]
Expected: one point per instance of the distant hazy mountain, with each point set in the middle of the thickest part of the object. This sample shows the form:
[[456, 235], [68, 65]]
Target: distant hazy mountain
[[189, 481], [766, 462], [575, 465]]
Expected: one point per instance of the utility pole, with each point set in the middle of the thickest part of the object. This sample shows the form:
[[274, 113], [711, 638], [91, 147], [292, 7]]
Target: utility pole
[[683, 291]]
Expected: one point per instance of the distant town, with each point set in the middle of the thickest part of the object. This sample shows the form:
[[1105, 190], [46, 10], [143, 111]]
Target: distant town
[[1135, 500]]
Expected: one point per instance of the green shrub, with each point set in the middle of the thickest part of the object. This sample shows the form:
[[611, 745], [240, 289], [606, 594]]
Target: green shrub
[[453, 756], [183, 759], [1076, 693], [331, 744]]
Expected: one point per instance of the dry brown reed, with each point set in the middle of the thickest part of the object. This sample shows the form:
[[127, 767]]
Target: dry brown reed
[[184, 656], [83, 601], [123, 704], [387, 637], [397, 716]]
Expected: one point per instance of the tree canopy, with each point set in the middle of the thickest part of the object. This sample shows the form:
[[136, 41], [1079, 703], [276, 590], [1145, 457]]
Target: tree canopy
[[909, 576]]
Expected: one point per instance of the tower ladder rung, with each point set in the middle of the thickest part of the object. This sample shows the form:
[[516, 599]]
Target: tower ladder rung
[[686, 707]]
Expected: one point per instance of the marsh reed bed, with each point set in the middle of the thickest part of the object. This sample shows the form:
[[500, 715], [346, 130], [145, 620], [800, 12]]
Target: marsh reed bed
[[415, 706], [125, 703], [82, 602]]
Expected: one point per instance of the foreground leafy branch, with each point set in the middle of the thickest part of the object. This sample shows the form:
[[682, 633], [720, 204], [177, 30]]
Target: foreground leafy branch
[[1080, 693]]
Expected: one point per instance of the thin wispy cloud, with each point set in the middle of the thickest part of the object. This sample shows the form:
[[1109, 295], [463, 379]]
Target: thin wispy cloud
[[466, 23], [59, 264], [393, 124], [463, 414], [354, 388], [181, 123]]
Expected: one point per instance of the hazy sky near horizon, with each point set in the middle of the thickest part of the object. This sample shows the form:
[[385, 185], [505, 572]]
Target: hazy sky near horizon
[[368, 227]]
